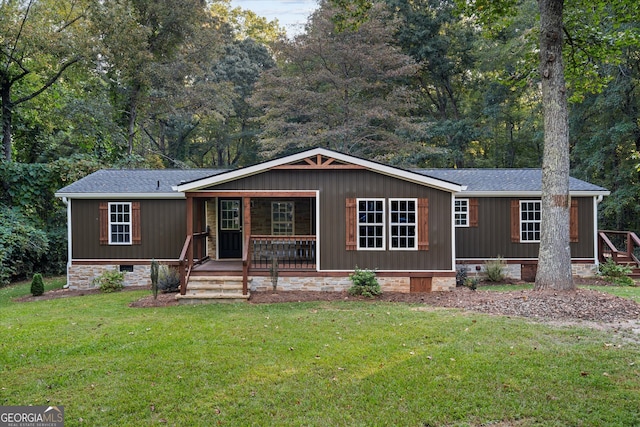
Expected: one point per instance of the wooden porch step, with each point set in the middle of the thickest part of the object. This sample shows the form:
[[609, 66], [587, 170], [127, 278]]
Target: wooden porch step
[[211, 298], [210, 289]]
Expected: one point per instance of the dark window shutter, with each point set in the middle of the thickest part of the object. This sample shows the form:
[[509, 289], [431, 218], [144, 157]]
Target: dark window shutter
[[103, 219], [423, 224], [352, 224], [136, 237], [515, 221], [473, 212], [573, 222]]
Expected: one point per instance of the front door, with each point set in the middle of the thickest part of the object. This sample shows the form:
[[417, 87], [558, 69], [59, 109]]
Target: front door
[[230, 228]]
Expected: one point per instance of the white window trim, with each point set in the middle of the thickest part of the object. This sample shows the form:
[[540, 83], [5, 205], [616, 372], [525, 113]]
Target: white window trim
[[293, 218], [522, 240], [130, 223], [384, 223], [466, 213], [415, 224]]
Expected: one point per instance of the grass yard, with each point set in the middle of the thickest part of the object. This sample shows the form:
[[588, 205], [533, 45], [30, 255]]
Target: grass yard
[[312, 364]]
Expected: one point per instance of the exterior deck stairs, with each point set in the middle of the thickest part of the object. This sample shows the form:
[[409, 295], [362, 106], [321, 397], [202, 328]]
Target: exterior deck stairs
[[213, 289]]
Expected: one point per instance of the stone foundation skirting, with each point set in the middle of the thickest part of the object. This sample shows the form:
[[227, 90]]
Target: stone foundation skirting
[[82, 276], [339, 284], [513, 270]]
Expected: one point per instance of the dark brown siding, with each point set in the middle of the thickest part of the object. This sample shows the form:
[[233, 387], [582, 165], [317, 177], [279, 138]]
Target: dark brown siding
[[335, 186], [492, 237], [163, 230]]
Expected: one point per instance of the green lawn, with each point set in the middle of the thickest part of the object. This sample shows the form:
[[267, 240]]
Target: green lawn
[[311, 364]]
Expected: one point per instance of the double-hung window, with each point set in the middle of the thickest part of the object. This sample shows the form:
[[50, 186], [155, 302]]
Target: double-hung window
[[282, 218], [120, 223], [530, 220], [461, 212], [371, 224], [403, 223]]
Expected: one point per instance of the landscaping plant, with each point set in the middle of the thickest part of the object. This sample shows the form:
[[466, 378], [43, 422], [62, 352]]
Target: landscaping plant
[[154, 278], [365, 283], [168, 279], [110, 281], [495, 269], [37, 285], [616, 273]]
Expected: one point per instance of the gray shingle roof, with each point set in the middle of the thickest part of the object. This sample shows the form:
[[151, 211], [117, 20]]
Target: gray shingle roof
[[147, 181], [109, 181], [502, 180]]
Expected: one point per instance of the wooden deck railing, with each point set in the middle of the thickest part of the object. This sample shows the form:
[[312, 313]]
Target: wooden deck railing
[[291, 252], [193, 252], [610, 244]]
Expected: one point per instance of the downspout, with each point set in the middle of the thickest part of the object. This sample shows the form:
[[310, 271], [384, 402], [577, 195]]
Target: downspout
[[67, 202], [597, 200]]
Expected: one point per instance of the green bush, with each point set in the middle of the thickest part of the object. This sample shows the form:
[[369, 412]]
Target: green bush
[[168, 279], [364, 283], [110, 281], [495, 269], [37, 285], [616, 273]]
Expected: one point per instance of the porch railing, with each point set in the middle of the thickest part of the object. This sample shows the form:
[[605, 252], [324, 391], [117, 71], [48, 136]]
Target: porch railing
[[193, 252], [622, 247], [291, 252]]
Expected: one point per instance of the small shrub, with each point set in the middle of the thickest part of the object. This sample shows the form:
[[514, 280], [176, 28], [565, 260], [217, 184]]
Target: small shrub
[[495, 269], [365, 283], [110, 281], [461, 276], [616, 273], [168, 279], [471, 283], [37, 285]]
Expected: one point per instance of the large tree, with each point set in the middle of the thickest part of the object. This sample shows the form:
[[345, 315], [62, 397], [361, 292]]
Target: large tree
[[39, 41], [338, 89]]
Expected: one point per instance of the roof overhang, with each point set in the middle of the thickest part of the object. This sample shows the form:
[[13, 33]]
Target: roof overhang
[[121, 196], [365, 164], [528, 193]]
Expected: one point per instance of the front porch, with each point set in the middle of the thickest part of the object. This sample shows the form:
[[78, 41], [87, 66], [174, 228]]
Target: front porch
[[232, 235]]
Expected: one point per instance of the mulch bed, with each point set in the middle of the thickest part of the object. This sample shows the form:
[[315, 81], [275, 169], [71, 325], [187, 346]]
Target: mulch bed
[[579, 305]]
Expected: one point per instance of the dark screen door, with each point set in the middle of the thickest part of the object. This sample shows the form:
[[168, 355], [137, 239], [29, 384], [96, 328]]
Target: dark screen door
[[230, 228]]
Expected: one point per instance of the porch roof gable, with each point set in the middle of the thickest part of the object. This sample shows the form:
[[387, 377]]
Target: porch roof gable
[[334, 160]]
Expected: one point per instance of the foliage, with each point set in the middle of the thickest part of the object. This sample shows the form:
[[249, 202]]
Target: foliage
[[461, 275], [37, 285], [110, 281], [154, 278], [616, 273], [341, 90], [471, 283], [365, 283], [22, 245], [495, 269], [168, 279]]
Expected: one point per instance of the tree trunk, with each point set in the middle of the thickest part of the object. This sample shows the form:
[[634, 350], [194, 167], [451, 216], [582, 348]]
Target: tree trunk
[[5, 95], [554, 267]]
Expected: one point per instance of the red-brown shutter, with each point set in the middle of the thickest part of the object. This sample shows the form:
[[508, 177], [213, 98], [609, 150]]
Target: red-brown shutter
[[473, 212], [352, 224], [423, 224], [573, 222], [515, 221], [136, 237], [103, 219]]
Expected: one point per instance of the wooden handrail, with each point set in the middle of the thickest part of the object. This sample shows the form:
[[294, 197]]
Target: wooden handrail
[[632, 241], [285, 237], [185, 265], [246, 264]]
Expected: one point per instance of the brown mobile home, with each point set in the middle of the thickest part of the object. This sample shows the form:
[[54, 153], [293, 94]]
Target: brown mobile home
[[314, 217]]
